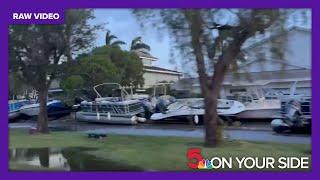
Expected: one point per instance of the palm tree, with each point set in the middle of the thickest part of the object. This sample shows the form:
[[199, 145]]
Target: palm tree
[[137, 43], [109, 40]]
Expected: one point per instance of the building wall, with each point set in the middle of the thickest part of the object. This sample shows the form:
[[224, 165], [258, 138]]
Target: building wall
[[271, 73], [303, 87], [270, 81], [152, 78], [296, 48]]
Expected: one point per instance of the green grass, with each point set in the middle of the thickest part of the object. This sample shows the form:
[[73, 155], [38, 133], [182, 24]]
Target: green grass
[[156, 153], [25, 167]]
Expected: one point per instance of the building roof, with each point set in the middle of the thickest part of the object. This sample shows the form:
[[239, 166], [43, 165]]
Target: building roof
[[161, 70], [146, 55]]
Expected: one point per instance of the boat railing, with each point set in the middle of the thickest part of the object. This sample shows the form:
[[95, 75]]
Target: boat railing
[[163, 85], [124, 93], [112, 108]]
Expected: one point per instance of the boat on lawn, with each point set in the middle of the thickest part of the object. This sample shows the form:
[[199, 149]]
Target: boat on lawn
[[256, 105], [267, 103], [112, 110], [194, 107], [56, 109], [14, 107]]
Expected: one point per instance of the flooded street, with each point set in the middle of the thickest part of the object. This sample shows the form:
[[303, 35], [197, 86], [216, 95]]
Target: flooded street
[[248, 132], [64, 159]]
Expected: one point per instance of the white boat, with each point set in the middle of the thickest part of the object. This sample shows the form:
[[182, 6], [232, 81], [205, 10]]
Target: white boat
[[257, 106], [194, 107], [261, 109], [285, 95], [55, 108], [113, 110]]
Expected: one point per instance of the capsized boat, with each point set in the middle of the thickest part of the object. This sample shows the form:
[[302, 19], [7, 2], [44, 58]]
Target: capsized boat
[[194, 107], [113, 110], [14, 107], [55, 109]]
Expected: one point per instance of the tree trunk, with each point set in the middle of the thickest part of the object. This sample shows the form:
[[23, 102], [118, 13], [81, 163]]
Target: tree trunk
[[210, 120], [213, 124], [42, 123], [208, 90]]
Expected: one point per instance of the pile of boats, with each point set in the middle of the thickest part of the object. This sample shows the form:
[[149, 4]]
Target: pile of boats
[[132, 109], [129, 108]]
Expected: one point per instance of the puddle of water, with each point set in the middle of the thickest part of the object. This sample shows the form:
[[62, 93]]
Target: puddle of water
[[63, 159]]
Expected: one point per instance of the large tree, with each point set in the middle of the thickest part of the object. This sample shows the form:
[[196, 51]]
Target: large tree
[[102, 64], [35, 52], [214, 39]]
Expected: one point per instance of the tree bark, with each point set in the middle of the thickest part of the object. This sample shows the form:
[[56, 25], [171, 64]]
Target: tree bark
[[211, 122], [213, 126], [213, 133], [42, 123], [210, 86]]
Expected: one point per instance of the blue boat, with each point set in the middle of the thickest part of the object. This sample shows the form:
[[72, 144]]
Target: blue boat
[[56, 109], [14, 107]]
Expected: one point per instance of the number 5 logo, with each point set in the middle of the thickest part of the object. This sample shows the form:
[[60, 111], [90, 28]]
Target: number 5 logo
[[194, 153]]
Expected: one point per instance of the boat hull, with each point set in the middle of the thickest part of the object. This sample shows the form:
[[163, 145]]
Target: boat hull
[[13, 115], [105, 118], [160, 116], [14, 107], [55, 109], [185, 110], [259, 114], [31, 111]]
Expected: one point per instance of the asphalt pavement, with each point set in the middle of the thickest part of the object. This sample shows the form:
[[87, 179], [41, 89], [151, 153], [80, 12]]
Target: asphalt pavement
[[177, 130]]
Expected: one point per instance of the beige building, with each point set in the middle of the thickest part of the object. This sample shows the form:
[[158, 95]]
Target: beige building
[[270, 74], [153, 74]]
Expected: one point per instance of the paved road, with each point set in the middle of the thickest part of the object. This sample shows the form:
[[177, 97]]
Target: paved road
[[267, 136], [181, 131]]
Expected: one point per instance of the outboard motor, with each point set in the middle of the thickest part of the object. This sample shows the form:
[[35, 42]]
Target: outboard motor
[[163, 102], [148, 109], [161, 106], [292, 117]]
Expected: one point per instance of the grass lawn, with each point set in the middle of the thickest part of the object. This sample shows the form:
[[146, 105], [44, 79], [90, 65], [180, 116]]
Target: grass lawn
[[151, 153]]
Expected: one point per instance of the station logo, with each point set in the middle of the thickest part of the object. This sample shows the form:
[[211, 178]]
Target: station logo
[[197, 161]]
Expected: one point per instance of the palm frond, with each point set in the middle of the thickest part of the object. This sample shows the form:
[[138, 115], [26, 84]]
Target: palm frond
[[117, 43]]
